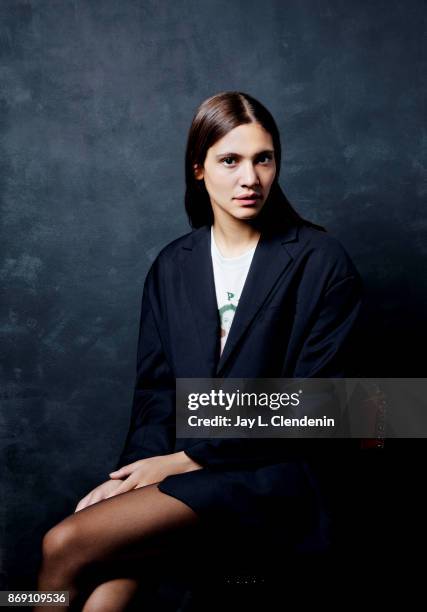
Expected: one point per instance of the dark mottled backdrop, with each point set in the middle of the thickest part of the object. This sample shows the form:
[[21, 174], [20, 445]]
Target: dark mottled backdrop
[[96, 101]]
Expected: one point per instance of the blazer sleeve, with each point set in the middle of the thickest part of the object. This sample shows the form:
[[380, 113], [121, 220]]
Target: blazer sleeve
[[324, 353], [152, 424]]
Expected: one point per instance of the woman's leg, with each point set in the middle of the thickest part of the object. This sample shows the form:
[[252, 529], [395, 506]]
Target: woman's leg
[[115, 595], [114, 543]]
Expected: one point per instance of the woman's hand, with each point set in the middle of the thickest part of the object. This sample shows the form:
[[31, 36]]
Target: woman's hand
[[100, 492], [154, 469]]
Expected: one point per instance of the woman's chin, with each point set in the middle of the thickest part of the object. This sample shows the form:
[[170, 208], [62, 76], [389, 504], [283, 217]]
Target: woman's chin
[[247, 212]]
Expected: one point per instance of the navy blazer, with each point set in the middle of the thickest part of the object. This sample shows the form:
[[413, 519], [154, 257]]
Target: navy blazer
[[296, 318]]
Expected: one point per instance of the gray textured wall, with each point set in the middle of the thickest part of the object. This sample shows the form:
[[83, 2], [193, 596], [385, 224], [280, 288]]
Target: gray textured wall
[[96, 99]]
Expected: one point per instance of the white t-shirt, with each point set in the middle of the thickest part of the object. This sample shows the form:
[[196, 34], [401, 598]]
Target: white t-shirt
[[230, 274]]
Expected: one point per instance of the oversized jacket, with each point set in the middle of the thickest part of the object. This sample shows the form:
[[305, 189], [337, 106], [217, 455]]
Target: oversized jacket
[[296, 318]]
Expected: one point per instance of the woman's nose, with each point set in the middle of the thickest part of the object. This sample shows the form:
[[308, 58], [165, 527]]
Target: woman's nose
[[249, 175]]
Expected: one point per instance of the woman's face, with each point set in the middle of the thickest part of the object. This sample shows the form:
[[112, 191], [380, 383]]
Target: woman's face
[[240, 163]]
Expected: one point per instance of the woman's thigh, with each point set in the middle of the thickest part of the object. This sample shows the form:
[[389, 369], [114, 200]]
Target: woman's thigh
[[124, 529]]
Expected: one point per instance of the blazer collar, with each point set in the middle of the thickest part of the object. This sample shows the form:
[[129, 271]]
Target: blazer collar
[[271, 258]]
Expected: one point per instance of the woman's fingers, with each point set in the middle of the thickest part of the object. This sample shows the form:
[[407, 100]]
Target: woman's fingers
[[125, 470], [82, 503], [127, 485], [93, 496], [116, 474]]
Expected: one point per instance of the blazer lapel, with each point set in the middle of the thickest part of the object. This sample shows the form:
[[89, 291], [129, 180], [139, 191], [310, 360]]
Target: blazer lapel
[[270, 260], [200, 286]]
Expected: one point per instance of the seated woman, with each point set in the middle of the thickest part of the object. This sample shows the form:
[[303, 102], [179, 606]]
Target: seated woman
[[252, 291]]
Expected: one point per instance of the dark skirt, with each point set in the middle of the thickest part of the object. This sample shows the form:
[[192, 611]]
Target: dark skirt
[[278, 504]]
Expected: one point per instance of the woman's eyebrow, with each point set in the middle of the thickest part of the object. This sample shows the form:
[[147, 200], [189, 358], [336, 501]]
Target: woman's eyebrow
[[230, 154]]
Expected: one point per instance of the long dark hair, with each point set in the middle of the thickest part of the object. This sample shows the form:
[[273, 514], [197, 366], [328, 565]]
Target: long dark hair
[[214, 118]]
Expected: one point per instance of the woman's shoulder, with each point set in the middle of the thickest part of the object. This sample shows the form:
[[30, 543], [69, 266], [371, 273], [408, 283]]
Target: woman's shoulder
[[186, 240], [316, 238], [324, 250], [169, 254]]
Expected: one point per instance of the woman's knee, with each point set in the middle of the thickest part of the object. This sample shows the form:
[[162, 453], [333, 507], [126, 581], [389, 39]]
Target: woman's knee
[[62, 542]]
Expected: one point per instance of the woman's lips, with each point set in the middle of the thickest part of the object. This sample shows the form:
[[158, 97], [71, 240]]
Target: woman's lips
[[248, 201]]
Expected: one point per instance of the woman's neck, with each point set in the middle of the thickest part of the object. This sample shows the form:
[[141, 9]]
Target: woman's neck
[[235, 238]]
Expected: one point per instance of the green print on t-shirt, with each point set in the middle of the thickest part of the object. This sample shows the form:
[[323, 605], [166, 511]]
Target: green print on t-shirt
[[226, 314]]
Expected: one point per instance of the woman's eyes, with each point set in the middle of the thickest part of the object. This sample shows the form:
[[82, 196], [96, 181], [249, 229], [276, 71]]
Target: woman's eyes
[[266, 157]]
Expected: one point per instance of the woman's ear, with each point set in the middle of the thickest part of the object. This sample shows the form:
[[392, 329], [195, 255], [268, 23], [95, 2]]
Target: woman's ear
[[198, 172]]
